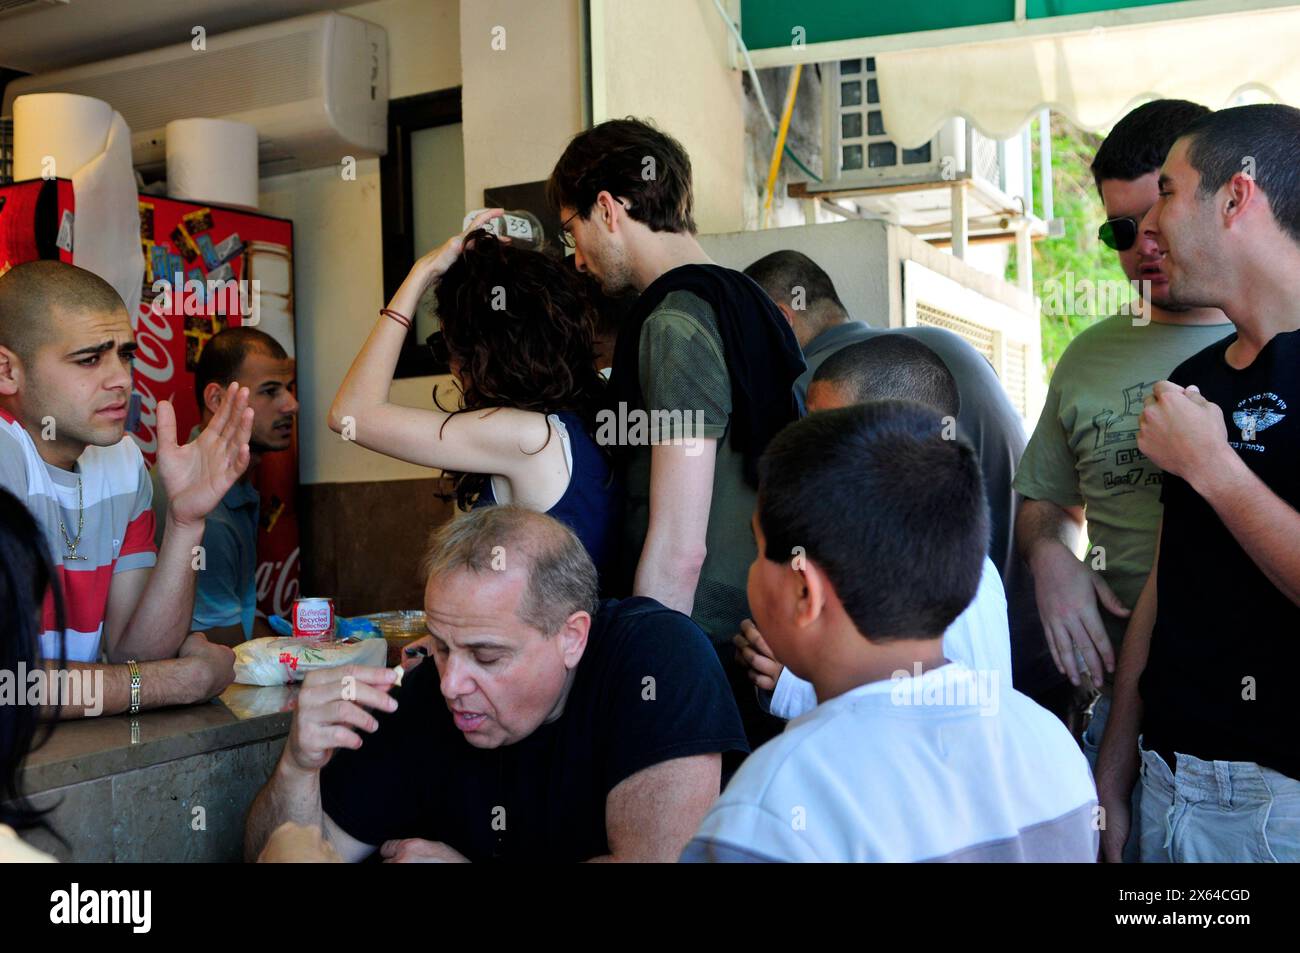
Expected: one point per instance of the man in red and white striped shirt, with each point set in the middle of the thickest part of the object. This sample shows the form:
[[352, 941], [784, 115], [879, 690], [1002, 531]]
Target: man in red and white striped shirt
[[66, 347]]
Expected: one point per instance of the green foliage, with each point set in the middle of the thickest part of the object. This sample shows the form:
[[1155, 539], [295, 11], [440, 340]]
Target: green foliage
[[1078, 252]]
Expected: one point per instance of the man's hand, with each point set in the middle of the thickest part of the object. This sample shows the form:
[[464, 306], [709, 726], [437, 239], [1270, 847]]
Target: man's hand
[[416, 851], [331, 703], [753, 652], [292, 843], [212, 668], [1181, 431], [198, 474], [1069, 593]]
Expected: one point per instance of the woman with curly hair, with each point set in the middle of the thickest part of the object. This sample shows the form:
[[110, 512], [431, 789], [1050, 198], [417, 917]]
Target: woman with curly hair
[[519, 331]]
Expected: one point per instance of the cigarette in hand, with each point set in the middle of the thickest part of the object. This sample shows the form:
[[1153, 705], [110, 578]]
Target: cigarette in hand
[[397, 670]]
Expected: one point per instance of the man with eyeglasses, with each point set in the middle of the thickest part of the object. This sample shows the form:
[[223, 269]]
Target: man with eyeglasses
[[1083, 460], [704, 357]]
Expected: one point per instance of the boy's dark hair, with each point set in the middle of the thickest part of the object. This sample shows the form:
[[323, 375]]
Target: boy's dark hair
[[1140, 141], [1269, 135], [629, 159], [892, 367], [892, 512], [782, 271], [224, 355], [30, 293]]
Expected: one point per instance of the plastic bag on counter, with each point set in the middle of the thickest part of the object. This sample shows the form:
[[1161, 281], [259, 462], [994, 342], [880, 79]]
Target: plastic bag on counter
[[270, 661], [357, 627]]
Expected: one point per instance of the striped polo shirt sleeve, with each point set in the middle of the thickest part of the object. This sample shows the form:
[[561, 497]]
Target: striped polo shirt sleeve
[[139, 551]]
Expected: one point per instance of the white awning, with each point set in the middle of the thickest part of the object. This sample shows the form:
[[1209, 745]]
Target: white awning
[[1092, 77]]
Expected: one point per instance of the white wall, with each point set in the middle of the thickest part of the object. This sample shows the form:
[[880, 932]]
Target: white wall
[[855, 254], [338, 263], [667, 60], [423, 42], [522, 79]]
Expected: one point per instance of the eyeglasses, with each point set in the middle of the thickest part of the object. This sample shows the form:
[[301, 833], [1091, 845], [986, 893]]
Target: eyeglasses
[[1118, 233], [566, 237]]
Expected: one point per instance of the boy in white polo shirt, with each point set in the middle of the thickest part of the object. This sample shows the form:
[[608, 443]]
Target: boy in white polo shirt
[[889, 367], [871, 530]]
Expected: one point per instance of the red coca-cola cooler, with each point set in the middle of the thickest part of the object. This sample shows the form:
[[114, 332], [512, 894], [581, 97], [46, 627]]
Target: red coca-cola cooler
[[202, 244]]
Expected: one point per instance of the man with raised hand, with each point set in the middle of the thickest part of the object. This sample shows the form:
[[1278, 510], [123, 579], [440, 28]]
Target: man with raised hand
[[66, 347]]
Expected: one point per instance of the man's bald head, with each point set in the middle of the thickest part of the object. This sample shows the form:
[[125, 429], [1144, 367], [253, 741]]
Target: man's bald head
[[35, 295], [802, 290], [889, 366], [561, 576]]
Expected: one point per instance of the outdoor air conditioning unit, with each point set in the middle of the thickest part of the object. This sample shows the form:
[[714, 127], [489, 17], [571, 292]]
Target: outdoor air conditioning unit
[[315, 88], [914, 188], [860, 151]]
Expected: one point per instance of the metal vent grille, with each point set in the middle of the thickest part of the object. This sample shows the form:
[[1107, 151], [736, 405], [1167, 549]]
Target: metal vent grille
[[984, 157], [861, 144], [978, 336], [1015, 363], [1011, 364]]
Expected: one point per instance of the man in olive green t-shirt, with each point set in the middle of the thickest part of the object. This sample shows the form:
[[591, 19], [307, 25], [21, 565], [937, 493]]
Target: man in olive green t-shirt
[[1082, 460], [1083, 453], [690, 491], [682, 366]]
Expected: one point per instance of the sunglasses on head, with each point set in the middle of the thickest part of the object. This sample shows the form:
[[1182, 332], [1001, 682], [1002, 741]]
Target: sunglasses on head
[[1118, 233]]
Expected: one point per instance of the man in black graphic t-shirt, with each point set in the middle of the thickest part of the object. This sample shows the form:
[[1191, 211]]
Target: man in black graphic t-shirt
[[1227, 640], [1207, 668], [543, 728]]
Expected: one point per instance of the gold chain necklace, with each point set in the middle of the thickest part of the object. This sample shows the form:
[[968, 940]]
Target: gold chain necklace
[[72, 545]]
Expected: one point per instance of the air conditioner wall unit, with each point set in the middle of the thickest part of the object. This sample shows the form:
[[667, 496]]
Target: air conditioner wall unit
[[859, 152], [315, 87]]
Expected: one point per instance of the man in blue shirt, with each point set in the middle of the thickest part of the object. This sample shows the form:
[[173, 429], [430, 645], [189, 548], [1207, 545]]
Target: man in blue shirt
[[225, 600]]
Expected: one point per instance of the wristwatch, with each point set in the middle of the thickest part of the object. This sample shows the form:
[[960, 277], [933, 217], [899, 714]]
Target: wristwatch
[[133, 667]]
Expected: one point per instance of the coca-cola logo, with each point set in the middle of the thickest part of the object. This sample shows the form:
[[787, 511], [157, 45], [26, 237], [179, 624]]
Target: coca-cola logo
[[153, 362], [278, 581]]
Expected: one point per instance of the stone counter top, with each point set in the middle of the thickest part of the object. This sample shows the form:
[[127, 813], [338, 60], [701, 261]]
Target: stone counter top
[[93, 748]]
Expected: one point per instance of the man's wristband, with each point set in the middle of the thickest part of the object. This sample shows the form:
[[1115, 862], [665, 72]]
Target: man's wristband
[[133, 667]]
